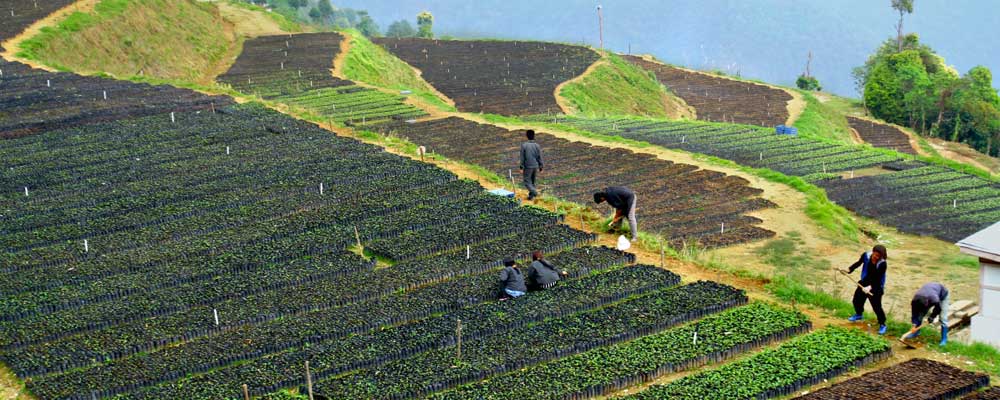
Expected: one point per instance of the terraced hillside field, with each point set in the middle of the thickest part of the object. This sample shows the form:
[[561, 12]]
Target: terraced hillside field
[[720, 99], [296, 70], [925, 200], [882, 135], [497, 77], [683, 202], [744, 144]]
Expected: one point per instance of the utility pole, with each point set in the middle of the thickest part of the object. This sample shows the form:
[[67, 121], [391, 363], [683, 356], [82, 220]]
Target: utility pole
[[600, 25], [808, 64]]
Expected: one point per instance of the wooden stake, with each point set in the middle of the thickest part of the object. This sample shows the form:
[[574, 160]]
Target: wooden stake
[[246, 392], [215, 313], [458, 334], [510, 173], [309, 381], [723, 228], [468, 252], [321, 188], [357, 236], [663, 257]]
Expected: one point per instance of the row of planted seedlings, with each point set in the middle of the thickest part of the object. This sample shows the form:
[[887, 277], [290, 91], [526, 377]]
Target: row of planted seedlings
[[675, 197], [610, 369], [781, 371], [53, 345], [300, 257], [296, 70], [595, 278], [722, 99], [548, 340], [500, 77], [757, 147], [335, 245], [37, 101], [400, 293]]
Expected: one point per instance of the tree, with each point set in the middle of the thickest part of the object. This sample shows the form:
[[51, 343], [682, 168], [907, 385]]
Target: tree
[[367, 25], [903, 7], [400, 29], [325, 9], [807, 83], [315, 14], [425, 24]]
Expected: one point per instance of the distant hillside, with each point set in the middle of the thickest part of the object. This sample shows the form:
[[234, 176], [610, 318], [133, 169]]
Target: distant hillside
[[763, 39]]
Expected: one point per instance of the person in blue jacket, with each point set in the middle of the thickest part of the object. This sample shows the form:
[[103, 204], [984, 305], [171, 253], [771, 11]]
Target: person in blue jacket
[[872, 285]]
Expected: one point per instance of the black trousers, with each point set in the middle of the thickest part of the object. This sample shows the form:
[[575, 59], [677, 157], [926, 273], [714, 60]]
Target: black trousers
[[875, 299]]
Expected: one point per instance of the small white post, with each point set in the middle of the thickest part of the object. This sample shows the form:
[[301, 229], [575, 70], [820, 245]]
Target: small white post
[[723, 230], [172, 119], [25, 191], [86, 246], [824, 168], [282, 65], [227, 150], [1, 73], [683, 138], [321, 188], [852, 174], [468, 252], [105, 92], [761, 156], [954, 203], [48, 83], [695, 340], [215, 313]]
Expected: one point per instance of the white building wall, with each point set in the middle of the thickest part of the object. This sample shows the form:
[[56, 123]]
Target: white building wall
[[986, 325]]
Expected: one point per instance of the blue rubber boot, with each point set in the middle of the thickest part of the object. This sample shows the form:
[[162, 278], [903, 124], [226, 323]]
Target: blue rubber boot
[[944, 336], [882, 329], [856, 318]]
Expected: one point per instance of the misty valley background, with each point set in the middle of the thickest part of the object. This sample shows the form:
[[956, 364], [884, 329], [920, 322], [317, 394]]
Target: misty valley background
[[757, 39]]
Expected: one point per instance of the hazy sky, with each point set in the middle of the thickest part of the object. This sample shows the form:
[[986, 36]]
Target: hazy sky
[[762, 39]]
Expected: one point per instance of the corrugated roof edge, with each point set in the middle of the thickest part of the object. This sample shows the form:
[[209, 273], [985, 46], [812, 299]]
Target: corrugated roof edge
[[983, 244]]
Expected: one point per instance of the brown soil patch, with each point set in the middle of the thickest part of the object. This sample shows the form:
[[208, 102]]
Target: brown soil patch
[[248, 23], [962, 153], [13, 45]]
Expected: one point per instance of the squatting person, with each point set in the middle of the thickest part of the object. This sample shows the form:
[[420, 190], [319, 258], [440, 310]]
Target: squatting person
[[511, 280], [541, 273], [872, 285], [623, 200], [531, 163], [931, 297]]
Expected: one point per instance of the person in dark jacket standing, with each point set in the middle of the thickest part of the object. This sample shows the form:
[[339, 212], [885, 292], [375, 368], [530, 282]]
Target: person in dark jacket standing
[[931, 297], [872, 285], [623, 200], [531, 163], [511, 280], [541, 273]]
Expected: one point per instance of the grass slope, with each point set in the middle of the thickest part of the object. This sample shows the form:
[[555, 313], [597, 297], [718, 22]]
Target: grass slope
[[369, 63], [823, 120], [171, 39], [616, 87]]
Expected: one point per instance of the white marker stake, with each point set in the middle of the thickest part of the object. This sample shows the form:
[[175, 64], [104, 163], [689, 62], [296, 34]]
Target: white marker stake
[[227, 150], [468, 252], [762, 156], [954, 203], [215, 312], [48, 83], [695, 340], [172, 119], [852, 174], [105, 92], [25, 191], [321, 188], [1, 73], [86, 246], [282, 65], [683, 139], [723, 230]]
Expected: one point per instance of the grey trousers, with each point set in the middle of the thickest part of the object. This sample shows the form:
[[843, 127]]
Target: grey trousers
[[529, 181], [633, 226]]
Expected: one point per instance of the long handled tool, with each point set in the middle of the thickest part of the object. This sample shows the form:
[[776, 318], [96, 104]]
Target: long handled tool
[[863, 289]]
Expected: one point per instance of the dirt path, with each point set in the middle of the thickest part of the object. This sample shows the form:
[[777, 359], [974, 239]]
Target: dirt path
[[962, 153], [564, 104], [248, 23], [796, 106], [13, 45]]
